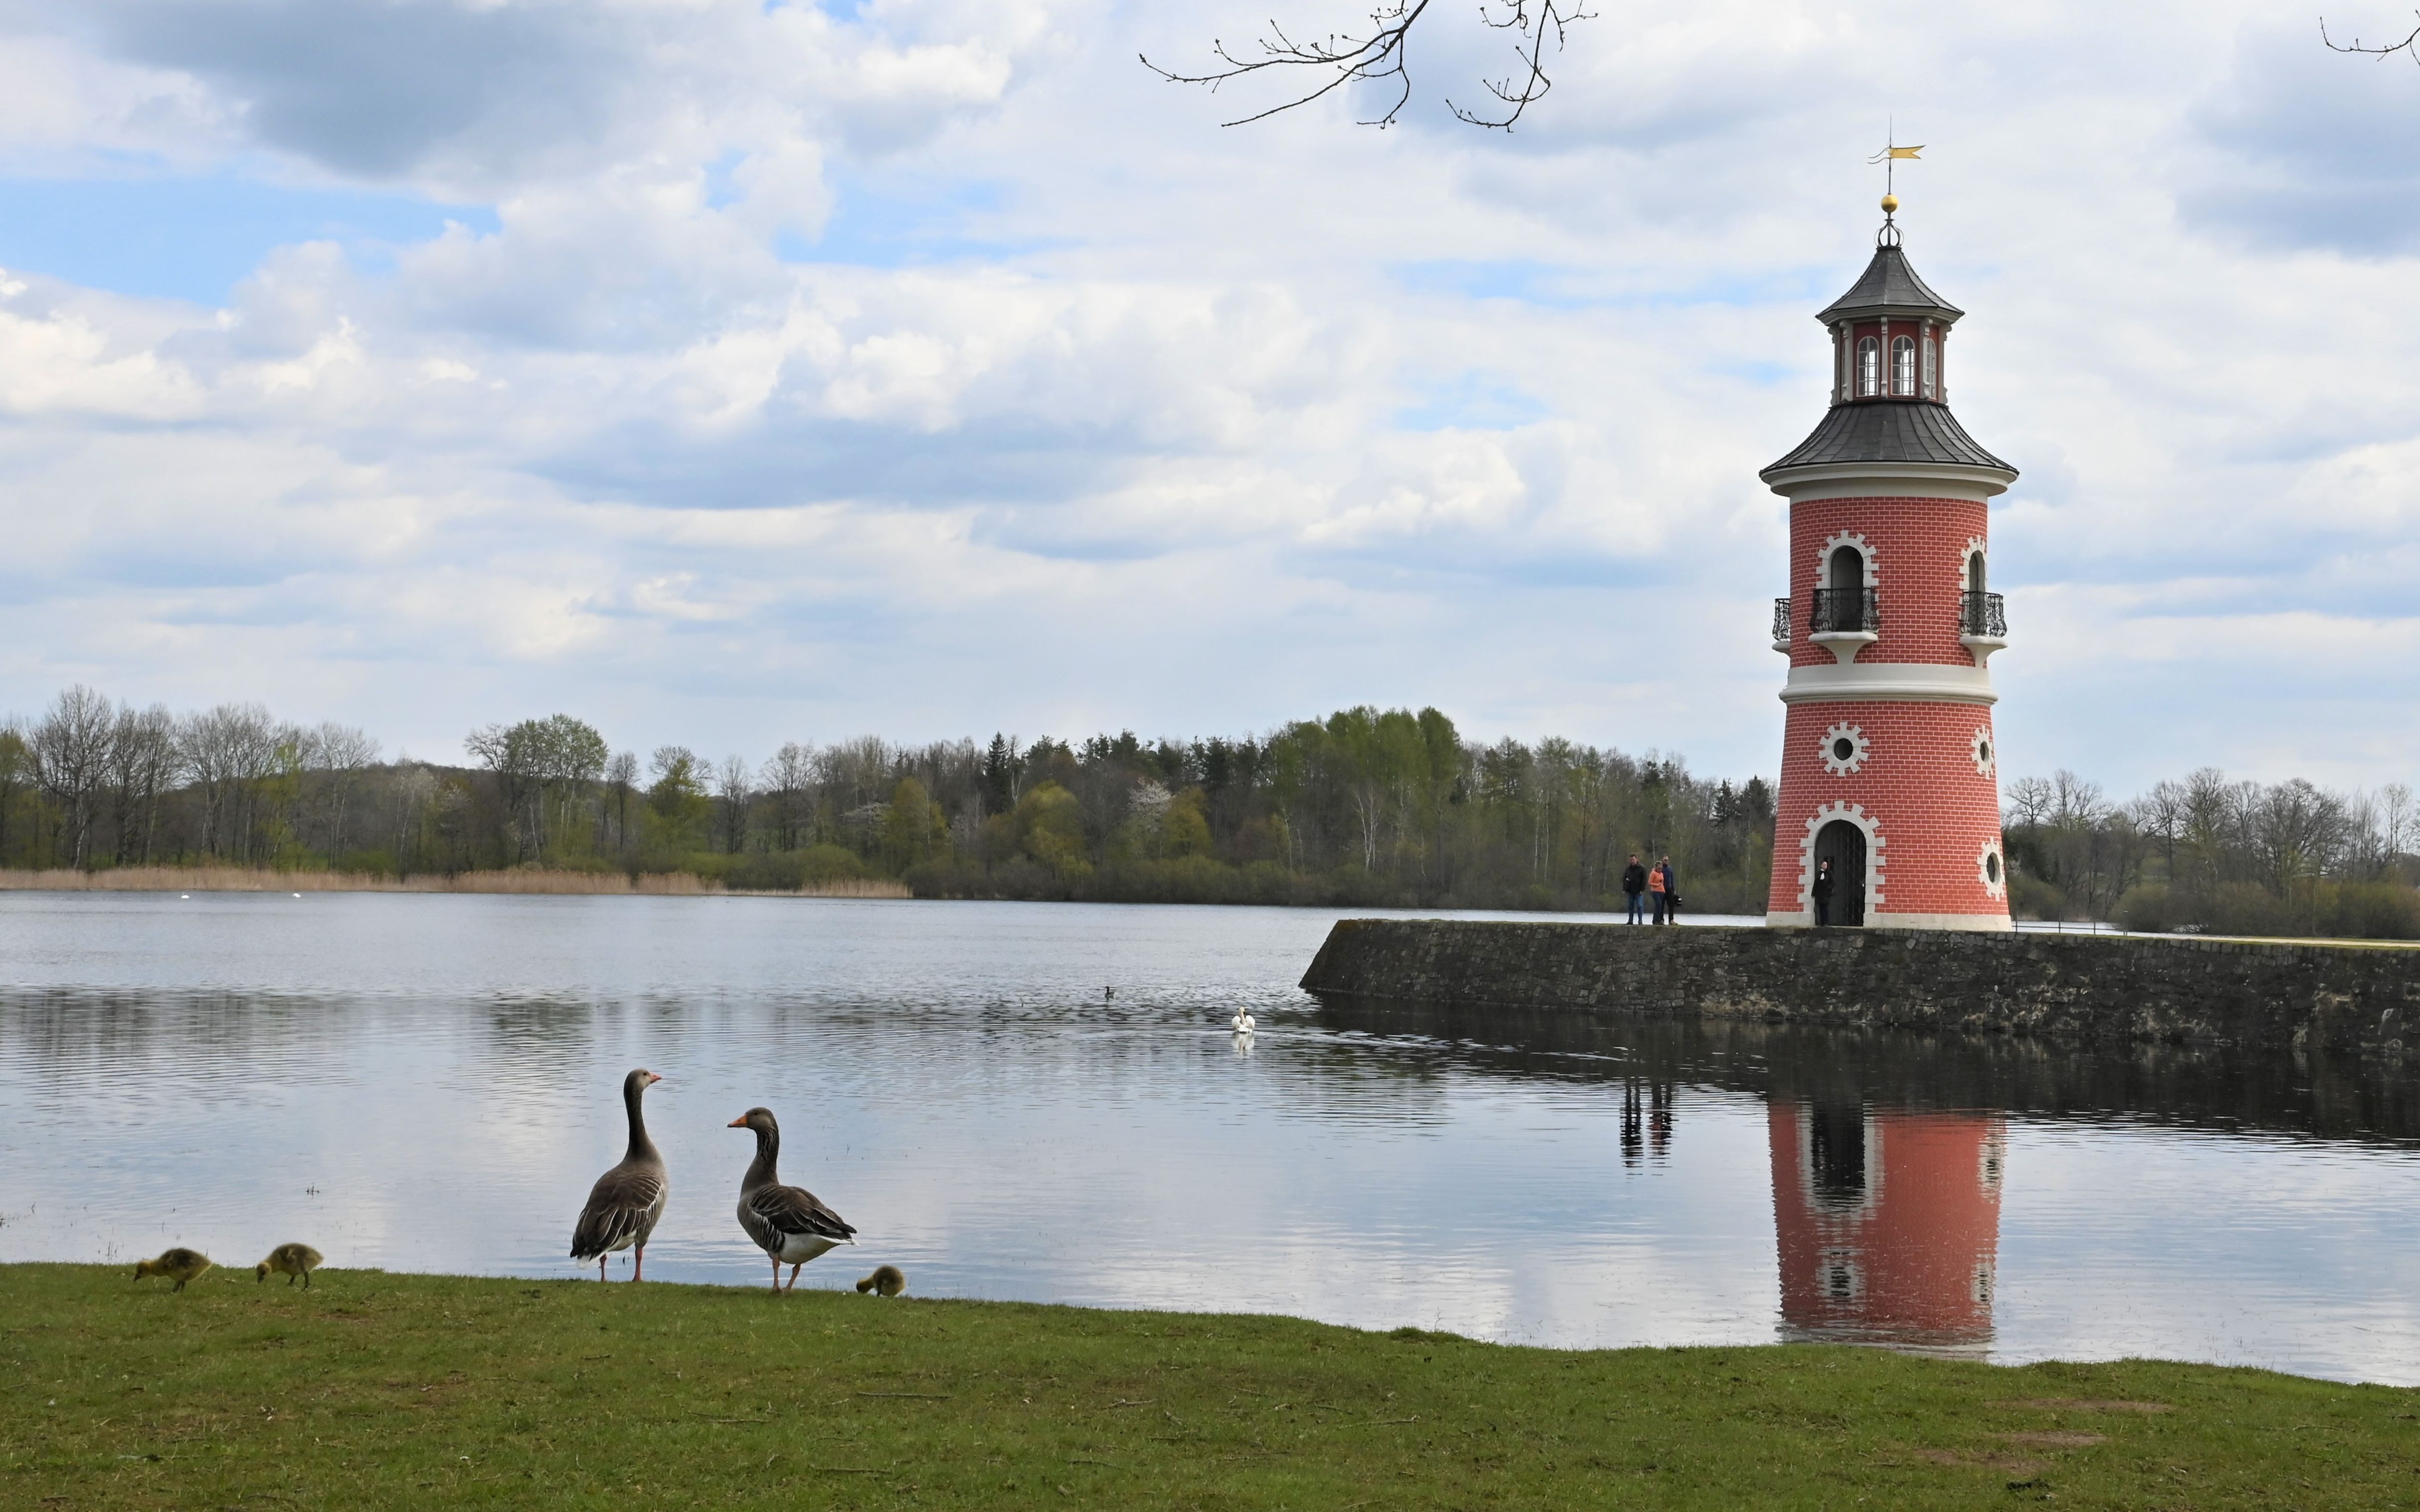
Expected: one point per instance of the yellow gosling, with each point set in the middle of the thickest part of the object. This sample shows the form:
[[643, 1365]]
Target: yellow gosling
[[288, 1260], [888, 1280], [181, 1265]]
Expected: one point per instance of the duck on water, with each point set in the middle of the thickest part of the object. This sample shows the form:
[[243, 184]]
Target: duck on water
[[788, 1223], [627, 1201]]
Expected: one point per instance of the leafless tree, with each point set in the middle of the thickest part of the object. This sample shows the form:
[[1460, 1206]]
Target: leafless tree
[[1381, 55], [143, 764], [2405, 47], [71, 749], [336, 755], [734, 785], [789, 776], [621, 782], [228, 752]]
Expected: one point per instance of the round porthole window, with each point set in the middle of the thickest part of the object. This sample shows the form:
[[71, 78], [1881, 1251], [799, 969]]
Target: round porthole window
[[1844, 750], [1986, 751], [1991, 870]]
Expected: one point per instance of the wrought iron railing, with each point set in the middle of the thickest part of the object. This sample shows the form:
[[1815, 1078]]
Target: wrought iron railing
[[1839, 610], [1781, 622], [1983, 615]]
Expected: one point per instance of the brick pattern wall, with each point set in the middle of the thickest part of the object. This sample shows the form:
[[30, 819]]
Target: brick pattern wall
[[1915, 784], [1915, 787], [1918, 560]]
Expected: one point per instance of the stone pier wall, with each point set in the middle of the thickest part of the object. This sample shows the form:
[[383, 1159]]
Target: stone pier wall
[[2333, 998]]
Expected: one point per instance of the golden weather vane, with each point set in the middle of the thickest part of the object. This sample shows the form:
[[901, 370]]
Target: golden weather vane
[[1888, 157]]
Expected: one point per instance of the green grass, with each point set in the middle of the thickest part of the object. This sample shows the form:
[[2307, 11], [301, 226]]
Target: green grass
[[375, 1390]]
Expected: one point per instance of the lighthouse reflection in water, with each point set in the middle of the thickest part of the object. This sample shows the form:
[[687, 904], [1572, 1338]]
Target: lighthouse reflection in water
[[1888, 1223]]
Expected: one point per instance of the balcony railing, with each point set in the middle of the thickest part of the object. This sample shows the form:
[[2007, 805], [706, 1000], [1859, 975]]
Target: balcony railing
[[1840, 610], [1781, 622], [1983, 616]]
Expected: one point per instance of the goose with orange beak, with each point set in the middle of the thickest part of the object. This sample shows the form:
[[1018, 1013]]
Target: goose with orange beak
[[788, 1223], [626, 1202]]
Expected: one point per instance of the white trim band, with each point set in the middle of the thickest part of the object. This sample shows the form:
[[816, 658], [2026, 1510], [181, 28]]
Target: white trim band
[[1902, 682]]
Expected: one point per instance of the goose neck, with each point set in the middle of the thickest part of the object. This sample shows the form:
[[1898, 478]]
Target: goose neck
[[761, 1171], [642, 1148]]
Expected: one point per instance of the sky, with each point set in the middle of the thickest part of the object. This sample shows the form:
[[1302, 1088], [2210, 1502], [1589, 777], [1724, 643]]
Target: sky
[[734, 372]]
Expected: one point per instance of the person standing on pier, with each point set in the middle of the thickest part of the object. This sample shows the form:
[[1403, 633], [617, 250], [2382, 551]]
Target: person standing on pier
[[1655, 890], [1821, 892], [1634, 883], [1669, 898]]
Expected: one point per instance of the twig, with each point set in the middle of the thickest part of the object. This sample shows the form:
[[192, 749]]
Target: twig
[[2381, 53], [918, 1396], [1384, 54]]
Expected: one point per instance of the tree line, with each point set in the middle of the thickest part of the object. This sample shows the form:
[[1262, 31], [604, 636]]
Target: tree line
[[2214, 853], [1366, 806]]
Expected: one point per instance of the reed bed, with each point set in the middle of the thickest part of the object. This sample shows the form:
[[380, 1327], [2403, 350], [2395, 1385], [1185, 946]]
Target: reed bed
[[518, 880]]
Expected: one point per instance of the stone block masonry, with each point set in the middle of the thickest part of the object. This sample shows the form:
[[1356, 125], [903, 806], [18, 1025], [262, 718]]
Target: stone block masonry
[[2321, 998]]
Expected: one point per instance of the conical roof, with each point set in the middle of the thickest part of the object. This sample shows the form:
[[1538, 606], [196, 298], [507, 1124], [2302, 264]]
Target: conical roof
[[1889, 430], [1888, 283]]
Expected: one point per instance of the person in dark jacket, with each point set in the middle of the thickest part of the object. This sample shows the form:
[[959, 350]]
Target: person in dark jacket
[[1634, 881], [1668, 901], [1822, 891]]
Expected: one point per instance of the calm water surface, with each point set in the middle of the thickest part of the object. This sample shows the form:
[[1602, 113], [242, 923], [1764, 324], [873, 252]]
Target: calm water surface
[[428, 1082]]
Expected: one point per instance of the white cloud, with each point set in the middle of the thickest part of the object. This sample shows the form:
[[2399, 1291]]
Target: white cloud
[[933, 368]]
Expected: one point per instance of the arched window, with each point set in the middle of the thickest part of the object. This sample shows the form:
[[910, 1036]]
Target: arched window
[[1848, 568], [1927, 365], [1869, 368], [1975, 584], [1904, 366]]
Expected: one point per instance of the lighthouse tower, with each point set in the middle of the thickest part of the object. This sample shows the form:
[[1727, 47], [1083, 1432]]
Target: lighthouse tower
[[1888, 768]]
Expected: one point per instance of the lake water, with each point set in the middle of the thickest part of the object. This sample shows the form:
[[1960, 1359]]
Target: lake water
[[430, 1083]]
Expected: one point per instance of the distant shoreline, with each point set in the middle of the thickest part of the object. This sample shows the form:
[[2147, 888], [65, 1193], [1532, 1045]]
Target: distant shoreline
[[518, 880]]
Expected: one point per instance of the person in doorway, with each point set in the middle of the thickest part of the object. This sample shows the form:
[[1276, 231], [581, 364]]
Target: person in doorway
[[1655, 890], [1671, 891], [1634, 883], [1822, 891]]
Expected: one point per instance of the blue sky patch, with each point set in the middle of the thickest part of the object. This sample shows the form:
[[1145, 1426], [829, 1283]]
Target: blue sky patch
[[197, 238]]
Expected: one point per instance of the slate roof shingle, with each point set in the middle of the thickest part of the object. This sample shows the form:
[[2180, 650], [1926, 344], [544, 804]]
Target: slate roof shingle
[[1888, 282], [1889, 430]]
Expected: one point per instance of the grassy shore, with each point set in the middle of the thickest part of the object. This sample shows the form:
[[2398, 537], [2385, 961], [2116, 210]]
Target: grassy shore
[[517, 880], [375, 1390]]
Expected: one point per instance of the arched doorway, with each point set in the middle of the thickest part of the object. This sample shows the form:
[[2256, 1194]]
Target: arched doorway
[[1843, 844]]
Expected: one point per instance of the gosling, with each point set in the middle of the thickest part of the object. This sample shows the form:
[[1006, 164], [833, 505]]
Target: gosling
[[179, 1264], [887, 1280], [288, 1260]]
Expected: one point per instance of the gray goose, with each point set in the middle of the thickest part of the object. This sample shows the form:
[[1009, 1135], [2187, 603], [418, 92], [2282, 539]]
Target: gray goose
[[625, 1201], [788, 1223]]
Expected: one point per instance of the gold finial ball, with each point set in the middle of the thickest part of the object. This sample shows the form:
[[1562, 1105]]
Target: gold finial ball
[[1890, 203]]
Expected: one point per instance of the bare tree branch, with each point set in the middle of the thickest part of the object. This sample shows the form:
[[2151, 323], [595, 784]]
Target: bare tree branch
[[2404, 47], [1383, 54]]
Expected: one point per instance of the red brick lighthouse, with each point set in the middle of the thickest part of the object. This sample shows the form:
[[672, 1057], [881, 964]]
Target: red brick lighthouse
[[1888, 768]]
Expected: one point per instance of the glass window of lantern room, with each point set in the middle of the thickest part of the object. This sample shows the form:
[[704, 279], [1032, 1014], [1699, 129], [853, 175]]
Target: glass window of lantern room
[[1928, 364], [1870, 368], [1903, 368]]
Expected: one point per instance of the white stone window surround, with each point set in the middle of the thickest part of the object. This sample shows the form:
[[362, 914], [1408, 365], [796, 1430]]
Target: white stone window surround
[[1930, 361], [1854, 814], [1859, 748], [1990, 859], [1975, 547], [1865, 557], [1985, 750]]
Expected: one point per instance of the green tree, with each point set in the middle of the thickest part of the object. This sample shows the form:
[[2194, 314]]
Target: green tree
[[1050, 829], [908, 829]]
